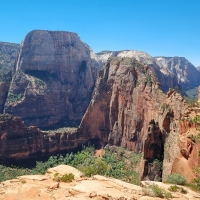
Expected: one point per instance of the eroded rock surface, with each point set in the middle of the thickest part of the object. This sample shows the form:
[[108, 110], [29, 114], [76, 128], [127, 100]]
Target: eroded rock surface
[[36, 187], [54, 79], [19, 142], [8, 52], [172, 72], [128, 109]]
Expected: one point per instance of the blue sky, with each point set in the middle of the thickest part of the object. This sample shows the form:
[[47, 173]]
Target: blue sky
[[158, 27]]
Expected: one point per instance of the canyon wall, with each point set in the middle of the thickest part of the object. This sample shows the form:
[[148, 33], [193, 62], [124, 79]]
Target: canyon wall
[[129, 109], [20, 142], [8, 52], [55, 73], [172, 72]]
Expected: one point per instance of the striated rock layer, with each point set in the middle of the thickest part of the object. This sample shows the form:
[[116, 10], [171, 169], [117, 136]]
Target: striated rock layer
[[20, 142], [172, 72], [128, 109], [54, 79]]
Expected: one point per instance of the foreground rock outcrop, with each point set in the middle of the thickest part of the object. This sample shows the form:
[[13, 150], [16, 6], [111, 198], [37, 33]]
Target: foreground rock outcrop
[[55, 73], [35, 187]]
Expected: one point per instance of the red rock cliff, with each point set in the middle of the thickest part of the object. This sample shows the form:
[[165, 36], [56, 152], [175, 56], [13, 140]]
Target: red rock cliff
[[128, 109], [54, 79], [19, 142]]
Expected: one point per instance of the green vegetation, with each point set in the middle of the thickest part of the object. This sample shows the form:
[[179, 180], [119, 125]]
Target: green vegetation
[[62, 130], [14, 97], [39, 82], [149, 79], [195, 184], [165, 107], [67, 178], [175, 188], [5, 76], [154, 190], [118, 164], [192, 102], [195, 138], [176, 179], [192, 93], [23, 181]]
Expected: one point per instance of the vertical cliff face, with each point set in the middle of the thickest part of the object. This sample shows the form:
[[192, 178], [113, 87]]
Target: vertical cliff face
[[20, 142], [185, 72], [171, 71], [128, 109], [8, 52], [54, 79], [126, 98]]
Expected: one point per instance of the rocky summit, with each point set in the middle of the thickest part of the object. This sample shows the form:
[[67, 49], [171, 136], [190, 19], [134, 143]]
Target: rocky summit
[[53, 81], [172, 72]]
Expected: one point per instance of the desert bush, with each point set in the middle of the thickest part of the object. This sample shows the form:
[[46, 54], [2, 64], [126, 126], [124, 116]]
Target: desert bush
[[176, 179], [64, 178], [23, 181], [98, 167], [154, 190], [67, 178], [173, 188]]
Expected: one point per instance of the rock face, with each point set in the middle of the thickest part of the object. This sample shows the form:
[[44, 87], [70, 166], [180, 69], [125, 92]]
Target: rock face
[[182, 149], [128, 109], [54, 79], [172, 72], [8, 53], [36, 187], [20, 142]]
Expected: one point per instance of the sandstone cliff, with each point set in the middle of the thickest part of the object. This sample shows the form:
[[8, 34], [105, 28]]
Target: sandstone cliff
[[8, 53], [171, 71], [55, 73], [20, 142], [128, 109]]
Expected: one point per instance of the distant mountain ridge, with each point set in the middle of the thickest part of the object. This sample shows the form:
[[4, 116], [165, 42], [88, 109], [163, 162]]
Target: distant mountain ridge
[[172, 72]]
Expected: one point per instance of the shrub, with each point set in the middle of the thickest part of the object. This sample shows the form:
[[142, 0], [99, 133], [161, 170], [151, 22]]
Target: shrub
[[99, 167], [173, 188], [176, 179], [56, 177], [23, 181], [67, 178], [155, 191], [168, 195], [64, 178], [184, 191]]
